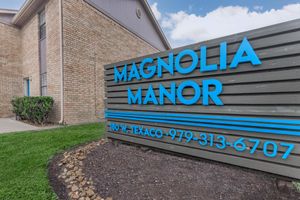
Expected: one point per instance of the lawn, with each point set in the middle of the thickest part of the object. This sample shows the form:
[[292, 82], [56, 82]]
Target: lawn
[[24, 157]]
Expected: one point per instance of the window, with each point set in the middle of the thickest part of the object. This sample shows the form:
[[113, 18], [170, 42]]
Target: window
[[44, 84], [42, 25], [42, 52], [27, 87]]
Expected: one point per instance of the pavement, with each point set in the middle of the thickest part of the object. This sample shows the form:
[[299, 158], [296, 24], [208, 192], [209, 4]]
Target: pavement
[[8, 125]]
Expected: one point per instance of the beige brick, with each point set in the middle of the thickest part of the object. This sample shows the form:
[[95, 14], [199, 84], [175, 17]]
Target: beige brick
[[30, 54], [53, 56], [92, 40], [10, 68]]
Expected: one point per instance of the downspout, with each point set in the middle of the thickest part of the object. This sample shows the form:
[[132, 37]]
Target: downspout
[[61, 64]]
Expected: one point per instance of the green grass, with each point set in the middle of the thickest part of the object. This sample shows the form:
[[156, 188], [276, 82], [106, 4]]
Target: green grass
[[24, 158]]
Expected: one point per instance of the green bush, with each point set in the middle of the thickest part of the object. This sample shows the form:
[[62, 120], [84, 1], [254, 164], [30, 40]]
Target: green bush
[[34, 109]]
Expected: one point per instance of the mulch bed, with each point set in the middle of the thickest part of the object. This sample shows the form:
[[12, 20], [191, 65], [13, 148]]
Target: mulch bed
[[127, 172]]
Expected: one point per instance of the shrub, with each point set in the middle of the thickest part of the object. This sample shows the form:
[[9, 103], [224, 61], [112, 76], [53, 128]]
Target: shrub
[[34, 109]]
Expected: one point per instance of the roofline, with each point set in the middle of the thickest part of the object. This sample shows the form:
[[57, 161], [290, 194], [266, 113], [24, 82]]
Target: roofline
[[27, 10], [156, 24], [22, 10], [30, 5], [152, 19], [8, 11]]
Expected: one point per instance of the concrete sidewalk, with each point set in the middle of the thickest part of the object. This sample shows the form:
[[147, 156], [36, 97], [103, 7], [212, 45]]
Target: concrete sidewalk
[[11, 125]]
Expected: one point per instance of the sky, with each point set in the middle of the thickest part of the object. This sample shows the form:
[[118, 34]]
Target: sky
[[11, 4], [189, 21]]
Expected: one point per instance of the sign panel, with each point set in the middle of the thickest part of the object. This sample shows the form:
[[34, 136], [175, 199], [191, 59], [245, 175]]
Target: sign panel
[[234, 99]]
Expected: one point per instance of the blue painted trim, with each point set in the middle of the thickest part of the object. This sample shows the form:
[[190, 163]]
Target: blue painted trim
[[28, 87], [276, 126], [222, 122], [238, 128], [230, 118]]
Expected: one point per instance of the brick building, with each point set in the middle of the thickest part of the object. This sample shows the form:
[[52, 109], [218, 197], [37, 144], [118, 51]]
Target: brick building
[[58, 48]]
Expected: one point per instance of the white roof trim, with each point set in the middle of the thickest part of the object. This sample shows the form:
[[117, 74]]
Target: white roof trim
[[8, 11], [26, 11], [30, 6], [156, 24]]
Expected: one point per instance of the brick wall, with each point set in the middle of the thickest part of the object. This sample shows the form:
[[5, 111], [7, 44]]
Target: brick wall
[[30, 54], [11, 83], [92, 40], [53, 56]]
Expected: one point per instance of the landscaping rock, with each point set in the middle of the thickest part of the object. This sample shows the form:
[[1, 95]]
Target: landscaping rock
[[74, 188], [79, 187], [104, 171]]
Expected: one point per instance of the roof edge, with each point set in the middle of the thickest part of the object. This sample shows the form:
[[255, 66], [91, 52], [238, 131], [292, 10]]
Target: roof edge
[[26, 11], [8, 11], [156, 24], [21, 11], [29, 5]]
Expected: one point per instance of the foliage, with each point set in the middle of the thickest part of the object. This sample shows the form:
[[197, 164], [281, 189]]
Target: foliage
[[34, 109], [297, 185]]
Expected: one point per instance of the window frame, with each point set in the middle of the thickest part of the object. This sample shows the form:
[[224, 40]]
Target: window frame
[[42, 37], [42, 25]]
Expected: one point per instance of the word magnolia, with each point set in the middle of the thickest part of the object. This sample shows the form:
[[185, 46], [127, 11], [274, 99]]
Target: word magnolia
[[210, 90]]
